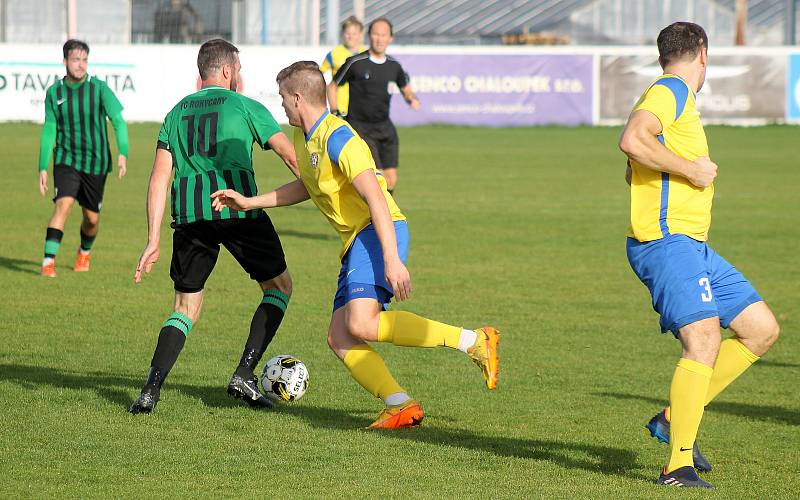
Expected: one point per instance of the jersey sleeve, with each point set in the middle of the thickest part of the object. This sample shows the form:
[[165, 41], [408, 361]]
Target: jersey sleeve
[[327, 63], [401, 79], [666, 99], [262, 123], [163, 134], [349, 152], [109, 100], [344, 74], [48, 139]]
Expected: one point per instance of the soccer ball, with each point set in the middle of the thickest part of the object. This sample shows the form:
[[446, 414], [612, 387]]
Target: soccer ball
[[285, 377]]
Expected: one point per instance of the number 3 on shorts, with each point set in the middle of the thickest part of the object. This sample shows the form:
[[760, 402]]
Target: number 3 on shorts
[[706, 296]]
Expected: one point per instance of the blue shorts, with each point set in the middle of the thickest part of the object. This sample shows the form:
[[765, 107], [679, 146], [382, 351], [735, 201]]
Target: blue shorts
[[689, 281], [362, 273]]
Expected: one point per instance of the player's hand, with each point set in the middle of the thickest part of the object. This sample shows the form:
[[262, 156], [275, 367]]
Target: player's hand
[[398, 277], [229, 198], [628, 173], [43, 182], [149, 257], [122, 163], [414, 104], [704, 172]]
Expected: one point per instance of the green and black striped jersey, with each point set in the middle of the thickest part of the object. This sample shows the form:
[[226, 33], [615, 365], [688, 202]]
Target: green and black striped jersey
[[210, 134], [75, 123]]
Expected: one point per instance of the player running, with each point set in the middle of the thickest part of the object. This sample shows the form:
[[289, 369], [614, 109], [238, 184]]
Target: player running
[[337, 172], [76, 108], [692, 287], [352, 36], [208, 139]]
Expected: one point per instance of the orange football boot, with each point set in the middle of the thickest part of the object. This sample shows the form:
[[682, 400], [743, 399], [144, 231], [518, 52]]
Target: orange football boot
[[402, 416], [49, 270], [82, 262], [484, 353]]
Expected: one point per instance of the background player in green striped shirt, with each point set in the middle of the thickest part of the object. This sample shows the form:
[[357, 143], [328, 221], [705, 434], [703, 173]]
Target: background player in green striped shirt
[[76, 108], [207, 138]]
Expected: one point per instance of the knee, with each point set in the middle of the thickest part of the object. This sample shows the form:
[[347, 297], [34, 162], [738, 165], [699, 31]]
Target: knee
[[771, 334], [91, 221], [283, 283], [358, 327]]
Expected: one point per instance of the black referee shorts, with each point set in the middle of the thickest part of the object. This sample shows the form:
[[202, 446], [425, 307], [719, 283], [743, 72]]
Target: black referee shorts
[[381, 137], [252, 242], [86, 188]]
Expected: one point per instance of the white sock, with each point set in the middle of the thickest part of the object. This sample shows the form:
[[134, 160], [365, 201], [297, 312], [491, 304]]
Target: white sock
[[397, 398], [47, 260], [467, 339], [84, 252]]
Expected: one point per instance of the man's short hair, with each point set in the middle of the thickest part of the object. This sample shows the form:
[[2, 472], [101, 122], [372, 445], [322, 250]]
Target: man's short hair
[[73, 44], [381, 20], [680, 40], [304, 78], [352, 21], [213, 55]]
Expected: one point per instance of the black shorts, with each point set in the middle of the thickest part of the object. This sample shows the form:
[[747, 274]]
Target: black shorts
[[86, 188], [252, 242], [381, 137]]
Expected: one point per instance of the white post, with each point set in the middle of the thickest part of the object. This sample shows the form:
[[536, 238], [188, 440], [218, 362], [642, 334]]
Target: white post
[[315, 20], [72, 18], [359, 10], [332, 23]]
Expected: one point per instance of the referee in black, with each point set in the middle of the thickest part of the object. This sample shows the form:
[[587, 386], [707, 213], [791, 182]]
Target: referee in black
[[369, 75]]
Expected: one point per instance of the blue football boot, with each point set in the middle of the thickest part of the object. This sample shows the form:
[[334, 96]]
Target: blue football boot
[[659, 429], [685, 477]]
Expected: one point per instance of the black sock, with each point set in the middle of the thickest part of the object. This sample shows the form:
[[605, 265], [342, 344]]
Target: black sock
[[52, 241], [86, 241], [265, 323], [170, 344]]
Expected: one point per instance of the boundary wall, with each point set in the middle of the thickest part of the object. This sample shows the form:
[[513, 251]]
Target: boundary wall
[[481, 86]]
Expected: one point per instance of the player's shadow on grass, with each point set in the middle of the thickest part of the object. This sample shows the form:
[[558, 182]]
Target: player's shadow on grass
[[20, 265], [761, 412], [121, 390], [569, 455]]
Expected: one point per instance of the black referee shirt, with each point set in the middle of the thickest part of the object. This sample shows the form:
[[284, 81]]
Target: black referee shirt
[[369, 86]]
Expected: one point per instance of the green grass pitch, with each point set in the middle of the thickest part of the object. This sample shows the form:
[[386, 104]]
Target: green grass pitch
[[522, 229]]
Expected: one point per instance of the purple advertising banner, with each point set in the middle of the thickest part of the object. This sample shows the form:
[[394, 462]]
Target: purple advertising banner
[[497, 90]]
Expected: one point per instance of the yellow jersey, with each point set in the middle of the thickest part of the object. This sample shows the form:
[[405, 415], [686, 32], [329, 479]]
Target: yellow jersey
[[663, 204], [330, 156], [332, 62]]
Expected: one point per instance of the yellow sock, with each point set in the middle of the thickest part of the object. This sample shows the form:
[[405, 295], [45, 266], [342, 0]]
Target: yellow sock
[[369, 370], [406, 329], [687, 402], [733, 360]]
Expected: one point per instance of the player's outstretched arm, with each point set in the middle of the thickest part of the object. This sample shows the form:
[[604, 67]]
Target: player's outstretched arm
[[288, 194], [284, 149], [366, 184], [639, 141], [121, 134], [156, 201]]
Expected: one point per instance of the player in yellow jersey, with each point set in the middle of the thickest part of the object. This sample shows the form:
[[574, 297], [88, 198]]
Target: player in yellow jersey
[[692, 287], [338, 173], [352, 38]]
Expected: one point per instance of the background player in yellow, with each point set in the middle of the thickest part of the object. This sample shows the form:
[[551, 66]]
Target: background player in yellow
[[693, 288], [352, 44], [338, 173]]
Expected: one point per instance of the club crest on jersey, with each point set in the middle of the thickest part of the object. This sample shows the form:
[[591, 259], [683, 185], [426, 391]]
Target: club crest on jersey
[[314, 160]]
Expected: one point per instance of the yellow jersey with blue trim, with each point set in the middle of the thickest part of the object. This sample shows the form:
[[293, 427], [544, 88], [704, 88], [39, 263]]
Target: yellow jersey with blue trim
[[661, 203], [330, 156], [332, 62]]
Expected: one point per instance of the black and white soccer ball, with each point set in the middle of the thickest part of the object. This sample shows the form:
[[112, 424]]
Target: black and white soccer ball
[[285, 377]]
